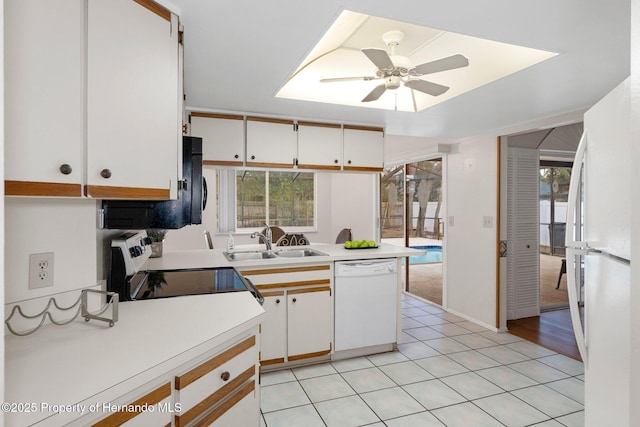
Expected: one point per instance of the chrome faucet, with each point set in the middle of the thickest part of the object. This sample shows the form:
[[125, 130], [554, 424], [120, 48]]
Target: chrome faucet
[[267, 237]]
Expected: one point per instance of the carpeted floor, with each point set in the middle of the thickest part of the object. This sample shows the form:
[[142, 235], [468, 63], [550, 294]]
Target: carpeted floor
[[425, 281]]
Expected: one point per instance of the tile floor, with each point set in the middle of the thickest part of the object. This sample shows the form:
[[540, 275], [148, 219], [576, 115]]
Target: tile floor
[[447, 372]]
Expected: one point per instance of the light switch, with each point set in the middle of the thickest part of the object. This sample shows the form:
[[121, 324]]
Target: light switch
[[487, 222]]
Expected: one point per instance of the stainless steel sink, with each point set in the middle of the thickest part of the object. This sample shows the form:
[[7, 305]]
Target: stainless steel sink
[[296, 253], [249, 255]]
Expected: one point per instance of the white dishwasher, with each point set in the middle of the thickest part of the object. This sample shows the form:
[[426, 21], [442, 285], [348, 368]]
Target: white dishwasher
[[365, 303]]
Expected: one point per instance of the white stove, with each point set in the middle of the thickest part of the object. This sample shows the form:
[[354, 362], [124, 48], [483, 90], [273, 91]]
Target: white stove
[[134, 249]]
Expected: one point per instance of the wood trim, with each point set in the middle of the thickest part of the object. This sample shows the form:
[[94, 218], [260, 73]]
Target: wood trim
[[226, 405], [499, 167], [269, 120], [362, 169], [222, 163], [216, 115], [293, 284], [106, 192], [198, 372], [285, 270], [320, 125], [272, 294], [306, 291], [309, 355], [270, 165], [320, 167], [34, 188], [272, 361], [215, 397], [156, 8], [369, 128], [149, 399]]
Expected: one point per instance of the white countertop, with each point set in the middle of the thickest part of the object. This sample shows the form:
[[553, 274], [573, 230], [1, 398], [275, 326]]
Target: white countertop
[[207, 258], [73, 363]]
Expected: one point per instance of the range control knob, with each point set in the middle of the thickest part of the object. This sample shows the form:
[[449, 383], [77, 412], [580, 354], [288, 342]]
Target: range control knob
[[135, 251]]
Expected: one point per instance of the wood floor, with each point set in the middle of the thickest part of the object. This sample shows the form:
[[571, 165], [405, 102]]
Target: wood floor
[[551, 330]]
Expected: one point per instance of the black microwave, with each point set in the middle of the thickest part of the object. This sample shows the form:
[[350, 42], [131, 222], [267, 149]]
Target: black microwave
[[168, 214]]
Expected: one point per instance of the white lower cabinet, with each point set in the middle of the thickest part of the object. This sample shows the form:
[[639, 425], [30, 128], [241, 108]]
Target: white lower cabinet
[[299, 312], [218, 388]]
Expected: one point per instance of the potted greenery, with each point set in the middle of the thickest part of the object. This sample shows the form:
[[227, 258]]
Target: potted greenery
[[157, 237]]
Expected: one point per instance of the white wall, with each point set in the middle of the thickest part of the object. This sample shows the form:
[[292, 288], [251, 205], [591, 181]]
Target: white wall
[[470, 248], [343, 200], [2, 202]]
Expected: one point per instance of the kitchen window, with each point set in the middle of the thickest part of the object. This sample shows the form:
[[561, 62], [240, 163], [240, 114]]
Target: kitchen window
[[247, 199]]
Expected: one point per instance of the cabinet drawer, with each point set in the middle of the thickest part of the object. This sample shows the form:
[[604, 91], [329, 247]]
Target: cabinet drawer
[[205, 386], [287, 277], [160, 416]]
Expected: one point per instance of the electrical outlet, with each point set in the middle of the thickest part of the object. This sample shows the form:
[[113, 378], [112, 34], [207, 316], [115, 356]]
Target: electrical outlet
[[40, 270], [487, 222]]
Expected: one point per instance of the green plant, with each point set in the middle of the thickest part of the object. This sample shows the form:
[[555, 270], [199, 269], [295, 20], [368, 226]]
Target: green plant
[[156, 234]]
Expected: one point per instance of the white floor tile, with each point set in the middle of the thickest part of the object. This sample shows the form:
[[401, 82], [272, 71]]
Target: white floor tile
[[548, 401], [413, 311], [573, 420], [549, 423], [530, 349], [391, 403], [446, 345], [434, 394], [451, 317], [282, 396], [510, 410], [405, 373], [417, 350], [345, 412], [573, 388], [422, 419], [465, 415], [386, 358], [506, 378], [538, 371], [352, 364], [405, 338], [424, 333], [313, 371], [474, 341], [441, 366], [326, 387], [470, 326], [276, 377], [500, 337], [503, 354], [408, 322], [564, 364], [306, 416], [471, 385], [364, 380], [430, 319], [450, 329], [473, 360]]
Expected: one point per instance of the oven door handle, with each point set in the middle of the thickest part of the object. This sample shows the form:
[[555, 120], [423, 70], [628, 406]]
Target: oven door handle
[[256, 293]]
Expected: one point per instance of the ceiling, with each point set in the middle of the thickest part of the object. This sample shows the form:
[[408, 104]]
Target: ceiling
[[239, 54]]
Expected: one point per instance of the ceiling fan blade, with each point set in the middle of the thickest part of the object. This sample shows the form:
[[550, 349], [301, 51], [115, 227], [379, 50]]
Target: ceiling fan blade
[[429, 88], [379, 57], [375, 93], [347, 79], [444, 64]]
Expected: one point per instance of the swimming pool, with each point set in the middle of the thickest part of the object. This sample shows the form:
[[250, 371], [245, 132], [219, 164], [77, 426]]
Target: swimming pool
[[434, 254]]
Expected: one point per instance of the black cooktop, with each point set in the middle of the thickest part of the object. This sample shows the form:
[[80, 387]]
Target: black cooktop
[[173, 283]]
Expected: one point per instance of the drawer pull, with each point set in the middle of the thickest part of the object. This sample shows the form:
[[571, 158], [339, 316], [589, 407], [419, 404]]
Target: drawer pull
[[278, 301], [65, 169], [105, 173], [236, 156], [225, 376]]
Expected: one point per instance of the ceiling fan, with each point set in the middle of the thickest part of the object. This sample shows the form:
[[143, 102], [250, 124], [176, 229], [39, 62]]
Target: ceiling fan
[[396, 69]]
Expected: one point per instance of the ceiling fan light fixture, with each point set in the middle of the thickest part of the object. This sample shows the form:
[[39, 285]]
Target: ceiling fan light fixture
[[392, 82]]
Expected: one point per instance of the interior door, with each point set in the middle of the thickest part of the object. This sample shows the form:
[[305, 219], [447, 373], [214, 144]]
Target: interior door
[[523, 213]]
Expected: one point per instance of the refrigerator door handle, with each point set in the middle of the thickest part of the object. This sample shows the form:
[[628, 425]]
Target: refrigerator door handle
[[575, 247]]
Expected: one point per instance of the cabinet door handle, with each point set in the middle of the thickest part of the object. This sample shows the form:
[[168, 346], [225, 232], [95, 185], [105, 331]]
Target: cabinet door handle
[[253, 157], [65, 169], [105, 173], [225, 376], [236, 156], [349, 161], [278, 301], [294, 300], [335, 161]]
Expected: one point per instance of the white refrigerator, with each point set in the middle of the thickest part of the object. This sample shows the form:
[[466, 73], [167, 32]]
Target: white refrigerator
[[598, 257]]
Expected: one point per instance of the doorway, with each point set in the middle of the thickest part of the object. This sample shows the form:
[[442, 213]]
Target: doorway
[[554, 195], [411, 216]]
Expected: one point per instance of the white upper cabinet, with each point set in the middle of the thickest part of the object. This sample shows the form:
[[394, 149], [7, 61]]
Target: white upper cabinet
[[271, 143], [319, 146], [44, 97], [363, 149], [133, 126], [222, 138]]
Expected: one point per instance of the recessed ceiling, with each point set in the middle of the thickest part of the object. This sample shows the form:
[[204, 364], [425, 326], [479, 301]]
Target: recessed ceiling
[[239, 54], [338, 55]]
